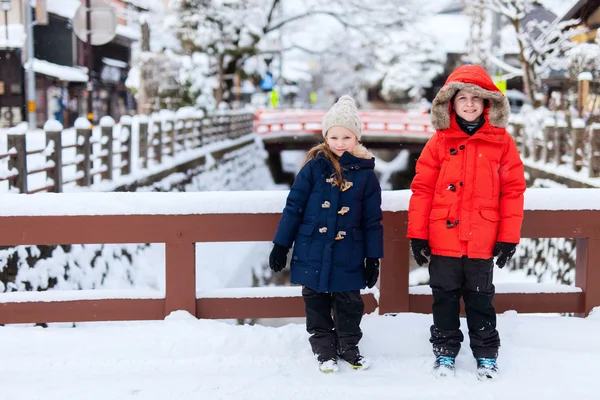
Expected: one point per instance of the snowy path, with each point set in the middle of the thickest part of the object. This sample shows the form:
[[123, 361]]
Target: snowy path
[[183, 358]]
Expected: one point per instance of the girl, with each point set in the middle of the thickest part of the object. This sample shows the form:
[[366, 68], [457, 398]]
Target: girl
[[333, 218], [466, 207]]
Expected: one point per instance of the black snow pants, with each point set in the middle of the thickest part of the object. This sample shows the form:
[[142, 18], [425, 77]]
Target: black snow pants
[[333, 337], [471, 278]]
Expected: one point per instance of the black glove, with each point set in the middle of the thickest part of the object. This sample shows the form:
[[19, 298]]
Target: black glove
[[504, 252], [371, 271], [420, 251], [278, 257]]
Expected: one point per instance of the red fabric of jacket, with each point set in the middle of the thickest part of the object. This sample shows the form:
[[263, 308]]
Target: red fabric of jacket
[[468, 190]]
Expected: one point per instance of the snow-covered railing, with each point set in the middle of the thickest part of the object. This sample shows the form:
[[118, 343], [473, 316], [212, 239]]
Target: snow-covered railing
[[179, 220], [375, 122], [552, 142], [108, 149]]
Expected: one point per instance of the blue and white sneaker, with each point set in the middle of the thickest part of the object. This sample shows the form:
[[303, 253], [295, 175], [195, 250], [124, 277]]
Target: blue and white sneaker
[[444, 366], [487, 369]]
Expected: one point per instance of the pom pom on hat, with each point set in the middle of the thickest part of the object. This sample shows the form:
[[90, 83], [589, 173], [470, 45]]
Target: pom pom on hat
[[343, 113]]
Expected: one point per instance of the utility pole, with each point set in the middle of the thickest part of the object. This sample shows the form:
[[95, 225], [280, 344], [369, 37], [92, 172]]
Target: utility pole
[[31, 108], [89, 62]]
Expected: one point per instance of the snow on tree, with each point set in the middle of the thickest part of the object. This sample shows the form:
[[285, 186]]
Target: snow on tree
[[413, 65], [541, 44], [232, 31]]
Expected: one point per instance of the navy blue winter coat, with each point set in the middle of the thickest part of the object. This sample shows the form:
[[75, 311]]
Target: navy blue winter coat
[[317, 212]]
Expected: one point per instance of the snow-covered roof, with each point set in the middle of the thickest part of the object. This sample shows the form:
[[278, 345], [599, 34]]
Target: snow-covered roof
[[63, 8], [128, 32], [560, 7], [61, 72]]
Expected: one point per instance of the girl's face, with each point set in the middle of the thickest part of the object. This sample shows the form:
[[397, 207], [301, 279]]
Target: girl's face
[[340, 139], [468, 105]]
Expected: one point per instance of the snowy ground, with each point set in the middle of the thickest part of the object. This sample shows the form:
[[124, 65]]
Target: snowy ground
[[184, 358]]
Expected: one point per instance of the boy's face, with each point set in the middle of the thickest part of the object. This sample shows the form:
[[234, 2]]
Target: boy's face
[[467, 105], [340, 139]]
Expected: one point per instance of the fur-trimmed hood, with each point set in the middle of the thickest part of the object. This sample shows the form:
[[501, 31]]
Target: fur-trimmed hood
[[361, 151], [475, 79]]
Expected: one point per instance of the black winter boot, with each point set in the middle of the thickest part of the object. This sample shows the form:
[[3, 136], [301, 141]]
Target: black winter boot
[[355, 359]]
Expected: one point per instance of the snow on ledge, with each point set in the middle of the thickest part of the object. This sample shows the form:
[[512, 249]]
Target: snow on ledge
[[74, 295], [260, 292], [232, 202], [512, 287]]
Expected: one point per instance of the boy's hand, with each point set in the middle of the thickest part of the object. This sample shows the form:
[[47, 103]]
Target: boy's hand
[[371, 271], [420, 251], [278, 257], [504, 252]]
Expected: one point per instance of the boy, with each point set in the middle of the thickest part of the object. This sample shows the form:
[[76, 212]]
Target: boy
[[466, 208]]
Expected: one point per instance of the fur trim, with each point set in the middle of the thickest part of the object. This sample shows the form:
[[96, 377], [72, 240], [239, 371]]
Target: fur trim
[[361, 151], [499, 109]]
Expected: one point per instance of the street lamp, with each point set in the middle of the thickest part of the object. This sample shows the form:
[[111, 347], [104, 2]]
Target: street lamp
[[6, 6]]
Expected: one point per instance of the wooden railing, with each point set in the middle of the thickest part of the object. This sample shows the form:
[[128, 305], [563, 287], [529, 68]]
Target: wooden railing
[[386, 122], [100, 154], [555, 144], [240, 217]]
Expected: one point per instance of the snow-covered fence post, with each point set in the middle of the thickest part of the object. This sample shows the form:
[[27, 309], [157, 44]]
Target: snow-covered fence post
[[207, 129], [125, 145], [143, 140], [53, 131], [197, 129], [171, 134], [594, 161], [106, 126], [548, 148], [16, 144], [577, 148], [232, 126], [561, 144], [517, 132], [83, 134], [157, 141]]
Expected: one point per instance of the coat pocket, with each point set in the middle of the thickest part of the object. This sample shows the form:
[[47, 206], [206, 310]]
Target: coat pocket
[[437, 228], [488, 229], [358, 252], [303, 242], [490, 215]]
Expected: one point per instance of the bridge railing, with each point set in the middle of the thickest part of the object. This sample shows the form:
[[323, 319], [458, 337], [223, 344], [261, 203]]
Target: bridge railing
[[104, 153], [577, 148], [179, 220], [374, 122]]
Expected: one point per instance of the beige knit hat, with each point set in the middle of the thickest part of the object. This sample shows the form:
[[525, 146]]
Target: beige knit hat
[[343, 113]]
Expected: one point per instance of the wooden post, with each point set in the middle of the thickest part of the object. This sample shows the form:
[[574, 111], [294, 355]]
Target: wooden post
[[594, 156], [143, 141], [106, 125], [83, 133], [53, 131], [157, 141], [198, 129], [548, 148], [125, 145], [393, 282], [180, 277], [577, 150], [560, 144], [172, 133], [18, 144], [587, 273], [232, 126]]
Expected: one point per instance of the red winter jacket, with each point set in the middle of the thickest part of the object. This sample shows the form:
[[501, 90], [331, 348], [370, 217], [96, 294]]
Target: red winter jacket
[[468, 190]]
